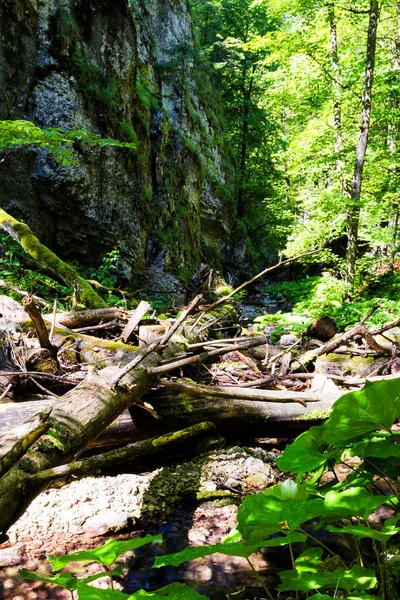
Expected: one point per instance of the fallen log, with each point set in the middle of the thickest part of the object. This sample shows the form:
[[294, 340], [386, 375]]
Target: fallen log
[[240, 418], [81, 415], [131, 452], [84, 318], [238, 393]]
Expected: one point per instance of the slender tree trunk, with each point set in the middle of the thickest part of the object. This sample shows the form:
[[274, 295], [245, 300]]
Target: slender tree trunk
[[394, 139], [336, 94], [244, 141], [353, 212]]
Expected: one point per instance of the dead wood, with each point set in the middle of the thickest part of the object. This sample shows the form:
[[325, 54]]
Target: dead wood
[[29, 305], [204, 356], [231, 416], [239, 393], [78, 418], [85, 318], [323, 328], [131, 452], [134, 321]]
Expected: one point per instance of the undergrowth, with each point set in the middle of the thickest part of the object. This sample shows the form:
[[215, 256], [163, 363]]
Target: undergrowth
[[323, 295]]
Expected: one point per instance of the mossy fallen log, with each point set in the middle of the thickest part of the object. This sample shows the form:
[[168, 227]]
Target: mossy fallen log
[[45, 257]]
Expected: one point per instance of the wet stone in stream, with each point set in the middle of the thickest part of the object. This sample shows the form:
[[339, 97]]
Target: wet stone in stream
[[188, 503]]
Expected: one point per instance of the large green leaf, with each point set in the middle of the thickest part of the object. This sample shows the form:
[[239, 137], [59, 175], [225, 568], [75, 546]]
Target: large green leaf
[[377, 444], [106, 554], [358, 578], [305, 454], [354, 501], [362, 531], [64, 580], [87, 592], [284, 506], [375, 407], [175, 591], [243, 549]]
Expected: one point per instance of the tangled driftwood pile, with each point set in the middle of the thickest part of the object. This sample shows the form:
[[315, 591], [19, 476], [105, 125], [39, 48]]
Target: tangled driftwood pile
[[79, 372]]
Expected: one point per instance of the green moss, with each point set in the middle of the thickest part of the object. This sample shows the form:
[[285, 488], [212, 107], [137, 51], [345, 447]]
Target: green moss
[[48, 259], [313, 416]]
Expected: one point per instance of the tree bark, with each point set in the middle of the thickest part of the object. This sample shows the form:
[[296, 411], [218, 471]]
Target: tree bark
[[353, 212], [47, 258]]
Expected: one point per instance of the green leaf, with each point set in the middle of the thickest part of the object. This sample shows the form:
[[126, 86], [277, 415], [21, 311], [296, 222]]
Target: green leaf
[[309, 561], [304, 454], [380, 445], [176, 591], [64, 580], [362, 531], [281, 507], [358, 578], [87, 592], [376, 406], [243, 549], [105, 554], [353, 501]]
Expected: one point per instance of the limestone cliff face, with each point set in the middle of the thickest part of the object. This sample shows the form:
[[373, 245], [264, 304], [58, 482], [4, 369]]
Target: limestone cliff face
[[126, 69]]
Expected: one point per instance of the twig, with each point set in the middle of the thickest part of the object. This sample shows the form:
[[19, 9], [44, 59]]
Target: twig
[[268, 270], [43, 388], [205, 355], [8, 389], [53, 324], [37, 299], [195, 302]]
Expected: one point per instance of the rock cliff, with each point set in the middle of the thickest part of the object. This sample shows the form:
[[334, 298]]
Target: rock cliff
[[129, 70]]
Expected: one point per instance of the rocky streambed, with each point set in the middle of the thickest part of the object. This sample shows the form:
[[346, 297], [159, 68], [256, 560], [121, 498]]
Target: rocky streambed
[[190, 502]]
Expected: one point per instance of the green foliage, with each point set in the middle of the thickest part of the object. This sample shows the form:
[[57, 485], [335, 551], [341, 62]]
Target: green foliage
[[107, 273], [14, 134], [284, 509], [320, 295], [360, 424], [106, 555]]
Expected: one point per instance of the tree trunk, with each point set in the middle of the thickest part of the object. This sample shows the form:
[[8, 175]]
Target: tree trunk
[[336, 94], [30, 243], [80, 416], [353, 212]]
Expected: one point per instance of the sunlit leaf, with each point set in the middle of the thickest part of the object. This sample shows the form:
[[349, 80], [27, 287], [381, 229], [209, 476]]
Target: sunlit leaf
[[106, 554], [64, 580], [243, 549], [358, 578], [353, 501], [375, 407]]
